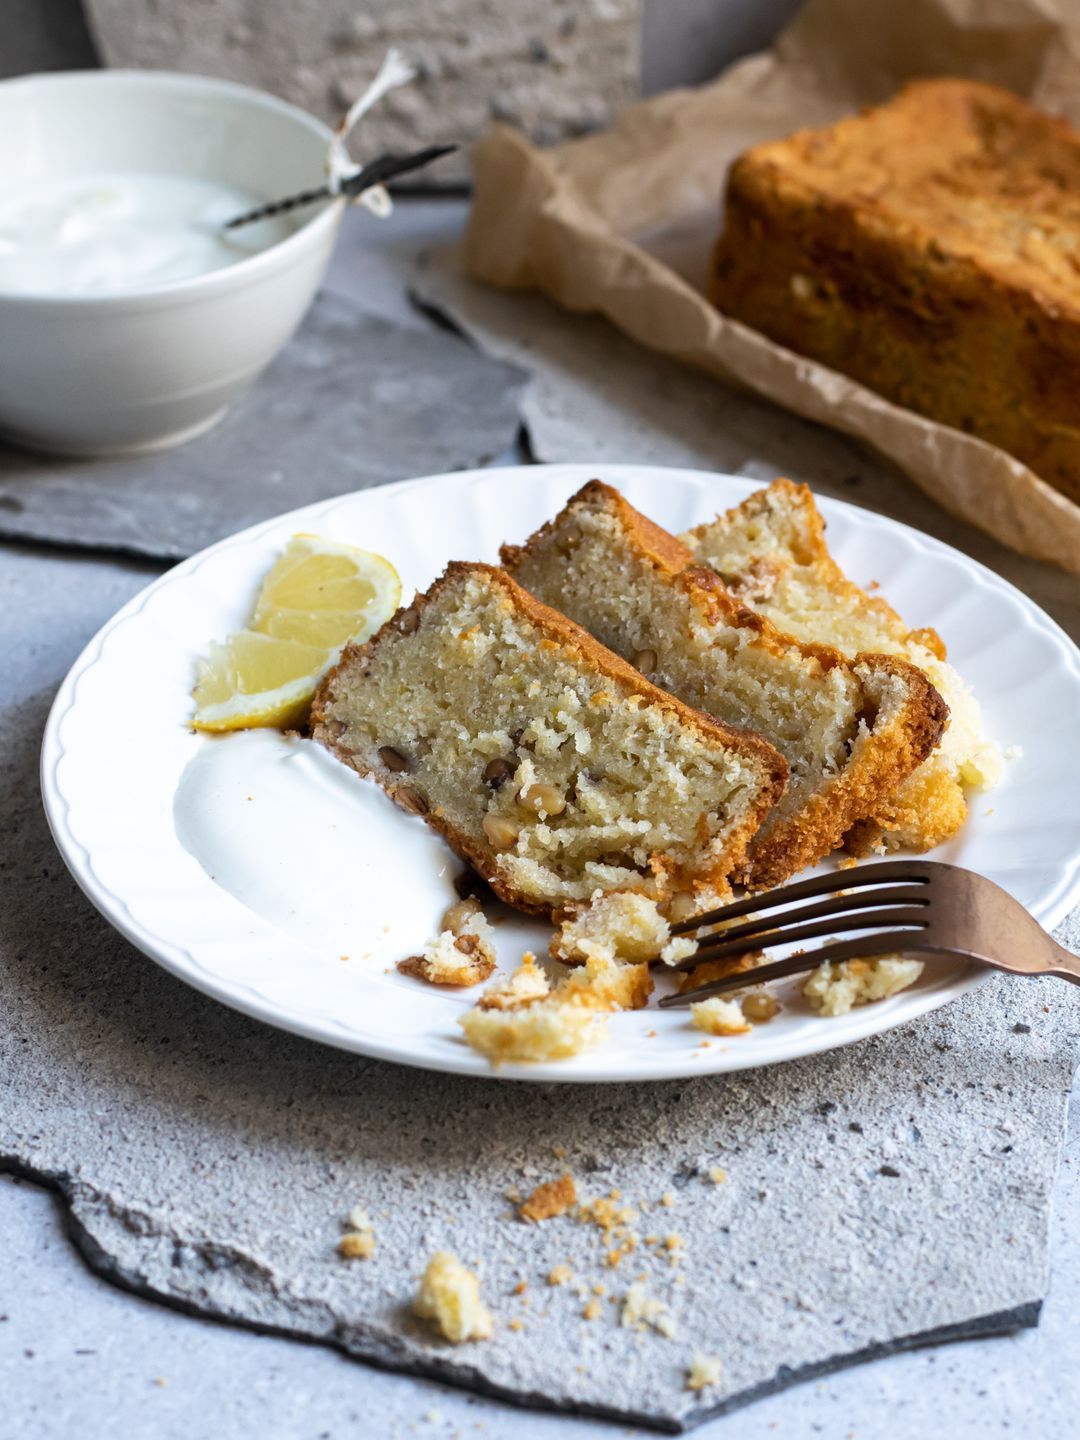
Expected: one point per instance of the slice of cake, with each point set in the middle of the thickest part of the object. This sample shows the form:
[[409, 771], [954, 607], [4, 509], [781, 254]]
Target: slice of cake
[[850, 730], [770, 551], [550, 765]]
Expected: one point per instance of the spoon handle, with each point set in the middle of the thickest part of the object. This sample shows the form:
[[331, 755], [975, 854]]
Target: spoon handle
[[376, 172]]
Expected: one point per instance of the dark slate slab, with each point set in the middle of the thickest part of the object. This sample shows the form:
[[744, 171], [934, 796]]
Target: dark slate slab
[[353, 401]]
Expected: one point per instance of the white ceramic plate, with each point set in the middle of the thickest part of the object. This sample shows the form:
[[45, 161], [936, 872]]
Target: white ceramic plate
[[262, 872]]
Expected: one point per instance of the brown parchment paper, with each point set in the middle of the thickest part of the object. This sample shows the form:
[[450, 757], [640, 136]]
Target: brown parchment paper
[[622, 223]]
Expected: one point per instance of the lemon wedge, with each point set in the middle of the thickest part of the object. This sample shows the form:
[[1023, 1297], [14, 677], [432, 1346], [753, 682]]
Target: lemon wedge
[[317, 597]]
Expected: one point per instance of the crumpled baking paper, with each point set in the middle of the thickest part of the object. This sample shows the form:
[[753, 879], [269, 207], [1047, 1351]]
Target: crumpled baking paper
[[622, 223]]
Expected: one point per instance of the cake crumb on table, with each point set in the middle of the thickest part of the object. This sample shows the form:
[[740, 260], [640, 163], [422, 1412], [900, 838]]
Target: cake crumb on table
[[560, 1275], [355, 1246], [449, 1296], [705, 1370], [640, 1312], [358, 1242], [552, 1198]]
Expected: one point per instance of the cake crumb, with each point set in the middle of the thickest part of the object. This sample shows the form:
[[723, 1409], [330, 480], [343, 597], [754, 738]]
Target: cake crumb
[[606, 1214], [532, 1033], [449, 1296], [560, 1275], [607, 984], [717, 1176], [463, 952], [640, 1312], [760, 1007], [592, 1311], [678, 948], [524, 987], [835, 988], [358, 1219], [552, 1198], [719, 1017], [668, 1198], [357, 1246], [705, 1370], [516, 1324], [358, 1243]]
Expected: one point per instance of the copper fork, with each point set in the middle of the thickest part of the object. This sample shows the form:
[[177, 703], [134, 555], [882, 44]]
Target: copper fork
[[913, 907]]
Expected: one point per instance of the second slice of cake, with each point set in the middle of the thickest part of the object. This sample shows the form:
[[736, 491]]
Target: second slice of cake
[[851, 730], [548, 763]]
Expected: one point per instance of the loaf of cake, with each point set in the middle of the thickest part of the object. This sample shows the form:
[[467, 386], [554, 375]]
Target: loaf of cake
[[930, 249], [550, 765], [851, 730], [770, 551]]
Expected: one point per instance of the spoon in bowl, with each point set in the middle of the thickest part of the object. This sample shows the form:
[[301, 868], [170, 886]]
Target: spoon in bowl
[[375, 172]]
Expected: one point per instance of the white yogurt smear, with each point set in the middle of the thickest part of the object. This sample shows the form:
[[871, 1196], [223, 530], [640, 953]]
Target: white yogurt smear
[[317, 852], [106, 233]]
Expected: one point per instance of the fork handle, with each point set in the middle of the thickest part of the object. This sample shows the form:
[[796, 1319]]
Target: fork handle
[[1063, 963]]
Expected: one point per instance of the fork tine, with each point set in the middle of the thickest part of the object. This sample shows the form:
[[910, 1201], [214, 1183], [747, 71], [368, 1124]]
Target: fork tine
[[913, 871], [864, 949], [863, 900], [864, 920]]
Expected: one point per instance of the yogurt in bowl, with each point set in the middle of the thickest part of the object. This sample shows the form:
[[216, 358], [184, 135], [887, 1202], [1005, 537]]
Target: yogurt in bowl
[[130, 317], [121, 230]]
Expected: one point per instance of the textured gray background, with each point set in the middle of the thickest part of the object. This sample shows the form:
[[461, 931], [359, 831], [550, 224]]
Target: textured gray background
[[557, 68]]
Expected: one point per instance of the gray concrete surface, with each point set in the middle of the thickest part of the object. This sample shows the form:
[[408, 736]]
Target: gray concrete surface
[[78, 1356]]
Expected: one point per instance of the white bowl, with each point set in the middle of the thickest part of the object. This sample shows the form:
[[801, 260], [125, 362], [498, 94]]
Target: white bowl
[[148, 368]]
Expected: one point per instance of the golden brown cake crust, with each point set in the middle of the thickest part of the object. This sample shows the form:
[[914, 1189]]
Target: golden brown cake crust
[[559, 631], [883, 758], [812, 539], [886, 757], [777, 534], [930, 249]]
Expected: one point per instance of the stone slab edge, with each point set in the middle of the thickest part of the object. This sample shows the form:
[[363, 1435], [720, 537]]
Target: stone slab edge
[[101, 1235]]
